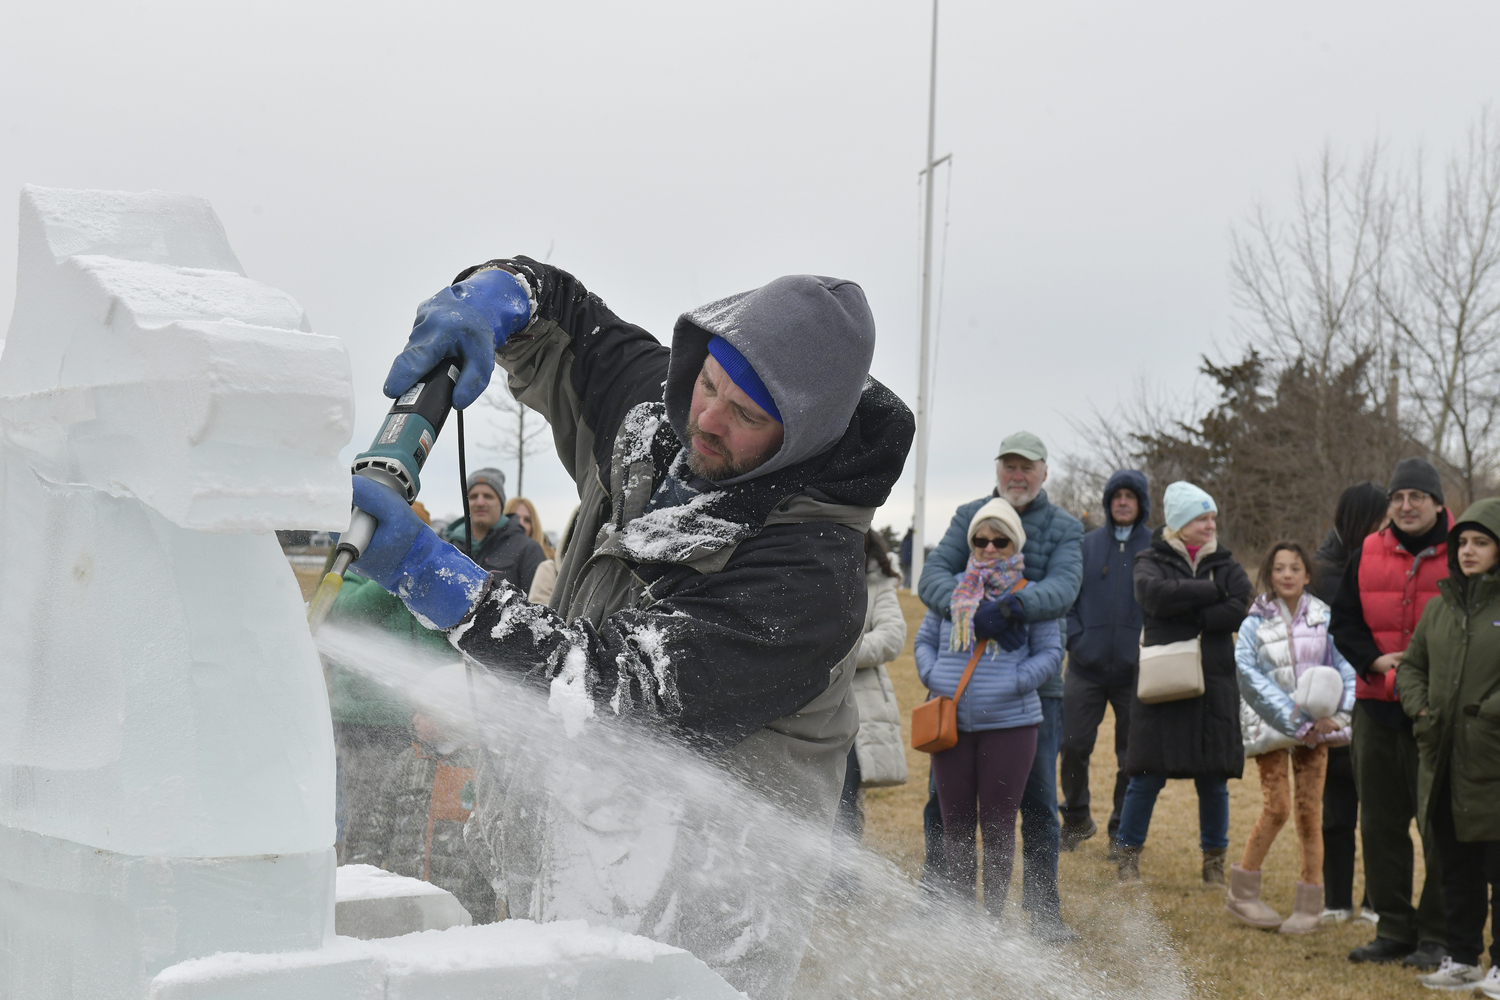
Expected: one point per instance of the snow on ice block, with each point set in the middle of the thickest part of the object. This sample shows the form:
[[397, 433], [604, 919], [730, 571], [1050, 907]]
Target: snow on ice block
[[373, 903], [515, 959]]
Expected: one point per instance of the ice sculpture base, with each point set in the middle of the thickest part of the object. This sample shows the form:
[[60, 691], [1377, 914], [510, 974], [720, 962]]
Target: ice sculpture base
[[81, 921], [374, 903], [515, 959]]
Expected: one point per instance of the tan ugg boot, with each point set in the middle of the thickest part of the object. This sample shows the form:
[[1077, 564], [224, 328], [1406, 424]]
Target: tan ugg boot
[[1307, 914], [1213, 868], [1244, 900], [1129, 873]]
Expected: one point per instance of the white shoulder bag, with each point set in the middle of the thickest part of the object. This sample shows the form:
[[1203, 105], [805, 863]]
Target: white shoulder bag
[[1172, 671]]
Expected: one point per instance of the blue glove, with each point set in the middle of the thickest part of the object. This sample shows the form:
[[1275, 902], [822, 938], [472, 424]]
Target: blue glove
[[407, 558], [1003, 620], [470, 320], [1013, 636]]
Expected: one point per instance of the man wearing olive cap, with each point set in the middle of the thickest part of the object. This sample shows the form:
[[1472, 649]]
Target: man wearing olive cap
[[1054, 569]]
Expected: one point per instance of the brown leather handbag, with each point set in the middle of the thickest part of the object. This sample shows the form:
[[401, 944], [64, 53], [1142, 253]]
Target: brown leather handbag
[[934, 723]]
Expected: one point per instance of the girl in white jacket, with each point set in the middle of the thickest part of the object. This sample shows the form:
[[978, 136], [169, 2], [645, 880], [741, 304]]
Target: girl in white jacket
[[1297, 692]]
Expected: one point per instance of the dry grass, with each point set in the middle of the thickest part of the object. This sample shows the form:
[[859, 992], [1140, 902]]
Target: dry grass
[[1227, 959]]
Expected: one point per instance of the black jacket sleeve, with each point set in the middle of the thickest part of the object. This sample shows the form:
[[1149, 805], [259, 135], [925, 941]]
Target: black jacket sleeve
[[1346, 622], [721, 656], [616, 365], [531, 557], [1228, 613], [1164, 596]]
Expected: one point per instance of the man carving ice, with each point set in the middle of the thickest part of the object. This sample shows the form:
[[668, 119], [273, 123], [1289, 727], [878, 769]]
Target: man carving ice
[[715, 587]]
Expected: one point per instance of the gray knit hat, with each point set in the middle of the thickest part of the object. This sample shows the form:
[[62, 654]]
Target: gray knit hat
[[493, 478], [1416, 474]]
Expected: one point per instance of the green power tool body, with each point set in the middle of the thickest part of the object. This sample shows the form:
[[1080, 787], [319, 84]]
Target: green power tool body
[[394, 460]]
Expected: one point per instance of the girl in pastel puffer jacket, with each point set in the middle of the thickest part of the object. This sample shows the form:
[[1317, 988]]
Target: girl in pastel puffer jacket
[[980, 780], [1297, 692]]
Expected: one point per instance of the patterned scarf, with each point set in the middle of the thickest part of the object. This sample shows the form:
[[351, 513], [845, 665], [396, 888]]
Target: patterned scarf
[[981, 582]]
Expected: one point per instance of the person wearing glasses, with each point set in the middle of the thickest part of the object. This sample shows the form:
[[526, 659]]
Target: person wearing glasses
[[1054, 570], [1390, 578], [980, 780]]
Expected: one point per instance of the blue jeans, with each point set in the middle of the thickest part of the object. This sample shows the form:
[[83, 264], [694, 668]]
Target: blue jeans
[[1213, 810], [1040, 824]]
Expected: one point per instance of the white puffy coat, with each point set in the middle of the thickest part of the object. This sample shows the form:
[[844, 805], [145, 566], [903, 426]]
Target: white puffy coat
[[882, 752], [1271, 653]]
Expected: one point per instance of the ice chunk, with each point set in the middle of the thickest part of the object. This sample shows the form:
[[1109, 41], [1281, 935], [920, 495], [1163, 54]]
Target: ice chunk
[[514, 959], [374, 903], [166, 754]]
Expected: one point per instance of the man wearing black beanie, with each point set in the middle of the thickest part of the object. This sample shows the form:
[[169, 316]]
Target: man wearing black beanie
[[1388, 582]]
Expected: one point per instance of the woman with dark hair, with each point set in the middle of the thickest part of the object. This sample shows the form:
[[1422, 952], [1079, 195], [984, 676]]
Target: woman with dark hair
[[1361, 512], [1296, 694]]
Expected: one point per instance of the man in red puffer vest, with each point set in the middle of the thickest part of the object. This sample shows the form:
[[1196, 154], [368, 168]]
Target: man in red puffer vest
[[1388, 582]]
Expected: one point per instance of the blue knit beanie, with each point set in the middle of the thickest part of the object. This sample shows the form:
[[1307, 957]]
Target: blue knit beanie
[[742, 375], [1184, 501]]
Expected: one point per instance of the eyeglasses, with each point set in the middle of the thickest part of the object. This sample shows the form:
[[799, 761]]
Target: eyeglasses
[[996, 543]]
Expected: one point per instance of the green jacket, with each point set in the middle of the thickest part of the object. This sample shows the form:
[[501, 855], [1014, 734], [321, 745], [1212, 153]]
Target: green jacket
[[1452, 669], [353, 697]]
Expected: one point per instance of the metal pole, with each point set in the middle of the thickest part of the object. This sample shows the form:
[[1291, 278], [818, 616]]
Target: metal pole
[[919, 500]]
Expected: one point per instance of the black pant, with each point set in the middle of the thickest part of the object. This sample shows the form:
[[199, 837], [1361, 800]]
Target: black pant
[[1085, 696], [1385, 767], [1469, 873], [1340, 823], [847, 819]]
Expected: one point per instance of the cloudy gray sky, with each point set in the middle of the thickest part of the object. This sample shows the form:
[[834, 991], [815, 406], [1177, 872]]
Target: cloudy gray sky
[[669, 153]]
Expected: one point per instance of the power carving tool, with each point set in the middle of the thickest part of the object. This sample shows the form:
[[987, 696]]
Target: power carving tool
[[395, 461]]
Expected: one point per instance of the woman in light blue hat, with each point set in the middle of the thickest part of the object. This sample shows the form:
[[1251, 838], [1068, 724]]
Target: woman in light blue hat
[[1188, 587]]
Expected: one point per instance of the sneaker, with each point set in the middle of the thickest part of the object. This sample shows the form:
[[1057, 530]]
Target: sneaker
[[1335, 916], [1489, 986], [1367, 916], [1073, 834], [1451, 975], [1428, 956], [1380, 951]]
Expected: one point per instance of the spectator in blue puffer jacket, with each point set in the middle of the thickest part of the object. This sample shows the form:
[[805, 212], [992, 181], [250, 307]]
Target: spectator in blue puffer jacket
[[1104, 645], [1054, 568], [999, 712]]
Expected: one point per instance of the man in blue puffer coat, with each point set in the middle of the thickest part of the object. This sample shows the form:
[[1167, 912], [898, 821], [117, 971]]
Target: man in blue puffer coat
[[1054, 568], [1104, 642]]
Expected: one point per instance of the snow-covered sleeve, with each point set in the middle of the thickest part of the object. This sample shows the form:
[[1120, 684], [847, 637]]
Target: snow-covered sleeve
[[1258, 688], [1045, 645], [720, 656], [925, 646], [887, 632]]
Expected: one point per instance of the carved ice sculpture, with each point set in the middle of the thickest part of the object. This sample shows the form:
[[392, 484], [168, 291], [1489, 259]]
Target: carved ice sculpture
[[166, 754]]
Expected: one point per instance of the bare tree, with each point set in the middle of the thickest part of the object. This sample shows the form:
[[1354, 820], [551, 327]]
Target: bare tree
[[521, 432], [1446, 305], [1308, 289]]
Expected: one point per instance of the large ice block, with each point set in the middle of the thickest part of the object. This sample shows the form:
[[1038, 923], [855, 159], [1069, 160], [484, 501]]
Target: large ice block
[[166, 754]]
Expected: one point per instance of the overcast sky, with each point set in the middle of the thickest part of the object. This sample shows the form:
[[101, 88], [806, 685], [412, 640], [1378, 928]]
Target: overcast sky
[[668, 153]]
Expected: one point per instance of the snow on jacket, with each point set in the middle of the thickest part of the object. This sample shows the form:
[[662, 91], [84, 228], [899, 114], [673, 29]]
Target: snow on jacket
[[1271, 655], [1104, 624], [1002, 693], [506, 550], [1181, 601], [414, 827], [1452, 670], [1054, 565], [878, 744], [726, 615]]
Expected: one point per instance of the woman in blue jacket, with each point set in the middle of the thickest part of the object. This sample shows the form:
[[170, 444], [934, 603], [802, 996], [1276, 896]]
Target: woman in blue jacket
[[980, 780]]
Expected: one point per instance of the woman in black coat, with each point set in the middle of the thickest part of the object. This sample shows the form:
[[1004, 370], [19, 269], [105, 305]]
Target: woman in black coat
[[1188, 586]]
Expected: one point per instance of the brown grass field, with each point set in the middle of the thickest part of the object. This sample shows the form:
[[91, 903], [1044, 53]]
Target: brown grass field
[[1224, 958]]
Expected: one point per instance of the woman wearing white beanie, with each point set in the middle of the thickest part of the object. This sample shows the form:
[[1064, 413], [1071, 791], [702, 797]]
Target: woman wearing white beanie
[[980, 780], [1189, 587]]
